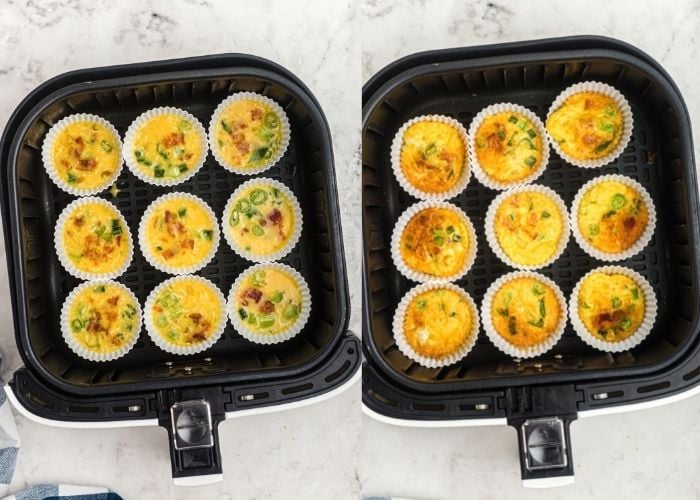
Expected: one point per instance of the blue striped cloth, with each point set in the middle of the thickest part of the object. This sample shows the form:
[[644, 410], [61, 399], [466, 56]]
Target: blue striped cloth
[[9, 447]]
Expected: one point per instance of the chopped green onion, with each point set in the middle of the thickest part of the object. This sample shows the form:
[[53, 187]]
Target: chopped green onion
[[182, 212], [243, 205], [625, 323], [265, 321], [531, 133], [543, 310], [546, 215], [99, 289], [501, 135], [257, 230], [618, 201], [513, 119], [616, 303], [71, 178], [537, 289], [530, 161], [116, 227], [271, 120], [291, 311], [182, 167], [106, 147], [602, 146], [512, 325], [225, 126], [208, 234], [234, 218], [76, 325], [259, 154], [277, 297], [184, 126], [635, 293], [242, 313], [258, 197], [158, 172]]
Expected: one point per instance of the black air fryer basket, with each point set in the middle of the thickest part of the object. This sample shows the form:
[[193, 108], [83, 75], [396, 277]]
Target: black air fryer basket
[[540, 396], [188, 395]]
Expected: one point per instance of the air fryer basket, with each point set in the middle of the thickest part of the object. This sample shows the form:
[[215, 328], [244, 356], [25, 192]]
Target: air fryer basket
[[487, 383], [234, 374]]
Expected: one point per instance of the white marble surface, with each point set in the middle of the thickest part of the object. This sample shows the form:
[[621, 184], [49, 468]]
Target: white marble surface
[[308, 452], [650, 454]]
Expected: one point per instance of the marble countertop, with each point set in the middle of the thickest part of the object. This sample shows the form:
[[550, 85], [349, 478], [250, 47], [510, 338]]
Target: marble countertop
[[650, 454], [309, 452]]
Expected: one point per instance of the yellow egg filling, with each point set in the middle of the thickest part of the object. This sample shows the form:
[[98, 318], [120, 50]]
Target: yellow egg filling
[[248, 134], [269, 301], [86, 155]]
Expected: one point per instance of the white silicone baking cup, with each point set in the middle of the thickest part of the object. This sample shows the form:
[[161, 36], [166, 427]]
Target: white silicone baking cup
[[294, 329], [83, 351], [650, 309], [60, 247], [152, 259], [644, 238], [47, 156], [284, 123], [139, 122], [503, 344], [399, 228], [296, 232], [489, 224], [400, 337], [506, 107], [627, 120], [160, 341], [397, 145]]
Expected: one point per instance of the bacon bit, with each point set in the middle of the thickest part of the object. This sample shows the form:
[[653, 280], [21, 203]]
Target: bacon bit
[[157, 308], [205, 325], [588, 104], [256, 114], [589, 139], [253, 294], [262, 222], [494, 143], [267, 307], [199, 336], [447, 156], [174, 139], [607, 320], [119, 239], [629, 223], [94, 323], [245, 230], [532, 219], [116, 340], [188, 156], [195, 317], [88, 164], [275, 217], [239, 141], [168, 216], [168, 254], [436, 250], [111, 317], [79, 220], [189, 243], [112, 301]]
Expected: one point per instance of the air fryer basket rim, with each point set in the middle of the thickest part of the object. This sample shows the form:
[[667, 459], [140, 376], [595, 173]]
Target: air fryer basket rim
[[222, 64], [434, 61]]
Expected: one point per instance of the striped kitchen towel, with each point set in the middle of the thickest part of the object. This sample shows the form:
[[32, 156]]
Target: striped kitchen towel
[[9, 446]]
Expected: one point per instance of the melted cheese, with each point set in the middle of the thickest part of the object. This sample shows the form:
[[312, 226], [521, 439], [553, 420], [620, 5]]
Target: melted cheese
[[525, 311], [432, 156], [612, 216], [587, 126], [95, 239], [436, 241], [438, 322], [180, 232], [508, 147], [167, 146], [261, 219], [269, 301], [103, 317], [248, 134], [611, 306], [86, 155], [528, 227], [186, 312]]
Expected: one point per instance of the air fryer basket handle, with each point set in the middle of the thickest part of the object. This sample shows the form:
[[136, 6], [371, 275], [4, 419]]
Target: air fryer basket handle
[[193, 435], [542, 416]]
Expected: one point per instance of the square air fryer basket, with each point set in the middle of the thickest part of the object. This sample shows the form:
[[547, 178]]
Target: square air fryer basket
[[148, 384], [572, 377]]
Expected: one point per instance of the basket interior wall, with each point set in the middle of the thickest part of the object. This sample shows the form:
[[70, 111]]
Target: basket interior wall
[[653, 158]]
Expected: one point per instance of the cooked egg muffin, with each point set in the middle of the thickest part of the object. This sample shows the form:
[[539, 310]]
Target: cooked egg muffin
[[185, 311], [178, 233], [102, 317], [86, 155], [525, 311], [612, 216], [509, 147], [587, 126], [92, 239], [610, 305], [260, 219], [167, 147], [436, 241], [529, 227], [438, 322], [247, 134], [268, 302], [433, 156]]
